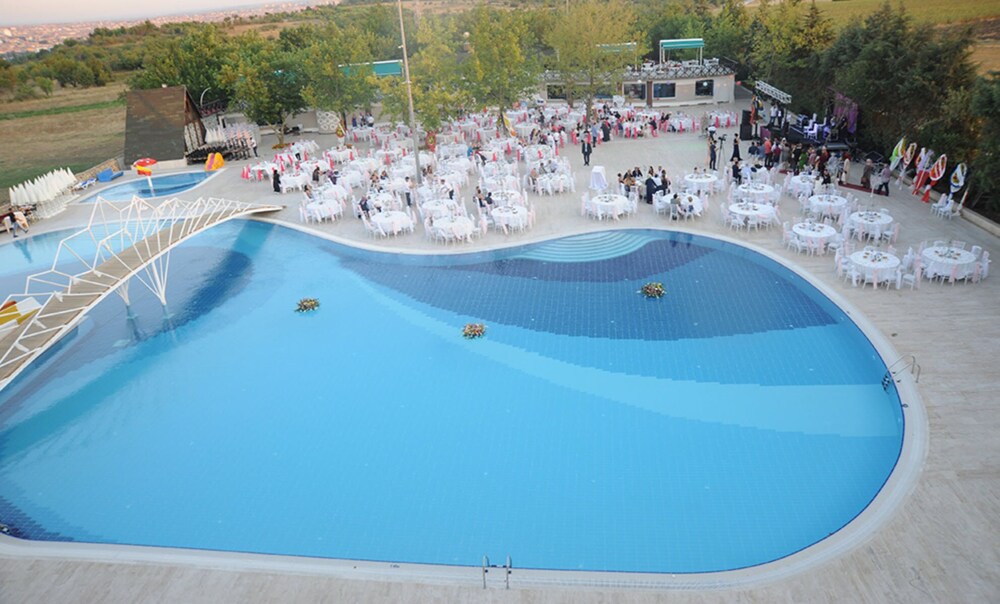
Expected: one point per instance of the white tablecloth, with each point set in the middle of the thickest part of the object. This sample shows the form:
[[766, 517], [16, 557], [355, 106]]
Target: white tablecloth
[[942, 260], [821, 233], [801, 184], [610, 205], [384, 199], [701, 183], [323, 209], [440, 208], [459, 227], [392, 221], [515, 217], [598, 178], [688, 203], [506, 198], [555, 183], [536, 152], [870, 223], [763, 211], [501, 181], [827, 205], [875, 266], [758, 192], [339, 155]]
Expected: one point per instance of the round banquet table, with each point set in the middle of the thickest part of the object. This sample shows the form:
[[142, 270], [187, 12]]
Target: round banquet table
[[877, 266], [827, 205], [940, 261], [506, 197], [392, 221], [763, 211], [755, 191], [537, 152], [802, 183], [515, 217], [439, 208], [610, 204], [870, 223], [702, 183], [811, 231], [460, 226]]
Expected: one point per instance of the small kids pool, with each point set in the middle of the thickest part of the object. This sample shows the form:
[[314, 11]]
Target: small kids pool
[[162, 186], [735, 421]]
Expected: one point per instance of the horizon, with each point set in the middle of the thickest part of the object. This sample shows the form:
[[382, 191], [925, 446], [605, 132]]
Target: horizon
[[120, 10]]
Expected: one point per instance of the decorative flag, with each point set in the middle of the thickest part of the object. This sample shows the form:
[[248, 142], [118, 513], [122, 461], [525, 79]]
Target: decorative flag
[[921, 164], [908, 155], [897, 154], [958, 177], [935, 174], [508, 126]]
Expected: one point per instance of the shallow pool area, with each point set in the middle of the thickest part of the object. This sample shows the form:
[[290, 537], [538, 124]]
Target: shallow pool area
[[156, 186], [735, 421]]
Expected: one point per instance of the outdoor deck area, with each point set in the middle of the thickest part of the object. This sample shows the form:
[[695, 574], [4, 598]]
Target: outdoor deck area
[[941, 545]]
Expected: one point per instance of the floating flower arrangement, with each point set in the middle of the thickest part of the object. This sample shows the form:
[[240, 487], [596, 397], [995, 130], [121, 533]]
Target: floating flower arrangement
[[307, 304], [474, 330], [653, 290]]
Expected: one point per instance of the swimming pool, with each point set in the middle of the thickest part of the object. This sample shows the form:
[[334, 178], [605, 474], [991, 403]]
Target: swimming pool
[[737, 420], [163, 186]]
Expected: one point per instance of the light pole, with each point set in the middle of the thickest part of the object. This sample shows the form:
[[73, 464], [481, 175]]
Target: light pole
[[409, 95]]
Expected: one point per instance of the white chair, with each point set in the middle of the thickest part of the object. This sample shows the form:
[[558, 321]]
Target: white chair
[[913, 278]]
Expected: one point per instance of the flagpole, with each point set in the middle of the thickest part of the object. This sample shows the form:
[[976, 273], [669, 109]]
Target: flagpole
[[409, 95]]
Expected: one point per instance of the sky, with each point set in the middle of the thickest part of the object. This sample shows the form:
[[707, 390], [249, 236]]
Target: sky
[[16, 12]]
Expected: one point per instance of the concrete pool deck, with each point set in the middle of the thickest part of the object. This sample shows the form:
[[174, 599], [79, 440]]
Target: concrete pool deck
[[941, 545]]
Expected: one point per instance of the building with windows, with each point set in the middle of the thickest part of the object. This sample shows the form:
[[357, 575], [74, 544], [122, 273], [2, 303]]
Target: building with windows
[[665, 83]]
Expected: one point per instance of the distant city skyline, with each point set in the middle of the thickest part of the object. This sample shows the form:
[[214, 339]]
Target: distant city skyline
[[64, 11]]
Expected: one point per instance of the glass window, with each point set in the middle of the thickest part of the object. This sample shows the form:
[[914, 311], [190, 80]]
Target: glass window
[[664, 90], [635, 90], [704, 88], [556, 91]]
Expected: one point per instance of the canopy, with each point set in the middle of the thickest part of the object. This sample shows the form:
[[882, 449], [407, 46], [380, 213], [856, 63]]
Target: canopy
[[379, 68], [681, 44]]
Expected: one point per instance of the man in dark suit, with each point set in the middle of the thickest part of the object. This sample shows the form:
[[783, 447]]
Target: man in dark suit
[[587, 150]]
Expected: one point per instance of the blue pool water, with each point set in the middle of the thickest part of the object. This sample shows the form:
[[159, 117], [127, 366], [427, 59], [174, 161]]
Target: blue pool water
[[163, 186], [733, 422]]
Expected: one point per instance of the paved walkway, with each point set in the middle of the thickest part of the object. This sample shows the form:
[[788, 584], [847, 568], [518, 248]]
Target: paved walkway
[[941, 545]]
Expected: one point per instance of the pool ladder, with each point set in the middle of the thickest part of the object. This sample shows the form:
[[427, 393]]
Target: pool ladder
[[507, 570], [909, 362]]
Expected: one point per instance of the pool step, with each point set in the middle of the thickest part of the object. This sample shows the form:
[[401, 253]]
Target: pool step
[[588, 248]]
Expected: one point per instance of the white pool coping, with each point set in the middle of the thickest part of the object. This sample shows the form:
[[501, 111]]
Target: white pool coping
[[891, 496]]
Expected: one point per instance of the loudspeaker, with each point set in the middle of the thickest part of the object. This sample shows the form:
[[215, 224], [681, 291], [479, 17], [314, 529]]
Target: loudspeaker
[[746, 116], [746, 131]]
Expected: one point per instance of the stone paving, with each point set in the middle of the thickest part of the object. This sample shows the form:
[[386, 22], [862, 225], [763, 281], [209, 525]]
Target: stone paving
[[941, 543]]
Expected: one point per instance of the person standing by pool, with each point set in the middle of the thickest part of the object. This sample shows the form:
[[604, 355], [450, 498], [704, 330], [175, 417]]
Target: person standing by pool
[[276, 181]]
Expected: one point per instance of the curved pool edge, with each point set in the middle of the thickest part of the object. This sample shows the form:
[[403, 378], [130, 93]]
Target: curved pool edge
[[859, 530], [85, 198]]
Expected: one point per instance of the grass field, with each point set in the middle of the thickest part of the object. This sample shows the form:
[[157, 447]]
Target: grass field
[[74, 128], [926, 11]]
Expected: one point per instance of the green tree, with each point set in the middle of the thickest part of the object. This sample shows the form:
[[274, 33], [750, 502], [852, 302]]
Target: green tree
[[267, 81], [728, 35], [898, 73], [589, 54], [196, 61], [498, 70], [338, 72], [984, 170]]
